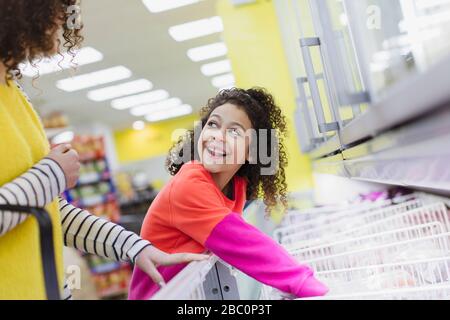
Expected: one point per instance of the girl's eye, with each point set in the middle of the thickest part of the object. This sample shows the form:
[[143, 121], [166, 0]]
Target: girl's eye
[[235, 132], [212, 124]]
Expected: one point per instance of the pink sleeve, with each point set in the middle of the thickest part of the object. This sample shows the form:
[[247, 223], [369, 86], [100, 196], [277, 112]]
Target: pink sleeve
[[257, 255]]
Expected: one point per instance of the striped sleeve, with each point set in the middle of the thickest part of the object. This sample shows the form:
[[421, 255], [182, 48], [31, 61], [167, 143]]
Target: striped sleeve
[[67, 294], [95, 235], [35, 188]]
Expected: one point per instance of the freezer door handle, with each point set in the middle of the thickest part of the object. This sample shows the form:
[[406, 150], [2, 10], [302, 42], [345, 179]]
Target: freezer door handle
[[323, 125]]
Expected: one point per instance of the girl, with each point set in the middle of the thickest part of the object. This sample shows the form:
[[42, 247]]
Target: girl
[[201, 207], [33, 175]]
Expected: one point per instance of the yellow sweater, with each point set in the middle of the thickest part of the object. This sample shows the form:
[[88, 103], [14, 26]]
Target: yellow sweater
[[22, 144]]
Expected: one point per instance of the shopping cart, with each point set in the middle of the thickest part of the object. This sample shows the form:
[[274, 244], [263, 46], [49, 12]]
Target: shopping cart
[[46, 244]]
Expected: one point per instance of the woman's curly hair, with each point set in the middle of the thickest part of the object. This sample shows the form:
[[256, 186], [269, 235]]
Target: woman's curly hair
[[260, 107], [27, 31]]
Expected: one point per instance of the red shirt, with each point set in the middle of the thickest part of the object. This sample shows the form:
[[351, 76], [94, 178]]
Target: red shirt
[[191, 202]]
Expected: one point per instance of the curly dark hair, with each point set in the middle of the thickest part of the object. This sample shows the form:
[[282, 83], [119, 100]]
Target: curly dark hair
[[27, 30], [260, 107]]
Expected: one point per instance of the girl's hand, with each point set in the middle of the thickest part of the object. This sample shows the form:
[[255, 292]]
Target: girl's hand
[[151, 257], [69, 162]]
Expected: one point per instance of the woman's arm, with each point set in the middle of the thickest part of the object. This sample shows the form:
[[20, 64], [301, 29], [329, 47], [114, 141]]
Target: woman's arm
[[35, 188], [95, 235]]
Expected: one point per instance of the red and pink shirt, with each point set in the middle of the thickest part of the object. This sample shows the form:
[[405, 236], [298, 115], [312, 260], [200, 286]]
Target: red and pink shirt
[[191, 214]]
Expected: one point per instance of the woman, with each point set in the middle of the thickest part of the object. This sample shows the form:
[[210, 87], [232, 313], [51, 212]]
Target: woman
[[33, 175]]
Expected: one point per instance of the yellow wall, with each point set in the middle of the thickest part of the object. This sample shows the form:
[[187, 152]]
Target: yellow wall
[[255, 49], [155, 140]]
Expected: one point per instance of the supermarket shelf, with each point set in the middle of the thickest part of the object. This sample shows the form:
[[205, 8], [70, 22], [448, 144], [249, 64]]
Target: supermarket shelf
[[331, 146], [106, 267], [94, 178], [113, 294], [94, 200], [92, 158], [331, 165]]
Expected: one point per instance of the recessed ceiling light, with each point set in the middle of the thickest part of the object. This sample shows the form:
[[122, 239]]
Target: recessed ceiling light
[[209, 51], [156, 6], [218, 67], [223, 80], [195, 29], [147, 108], [120, 90], [179, 111], [139, 125], [60, 62], [139, 99], [93, 79]]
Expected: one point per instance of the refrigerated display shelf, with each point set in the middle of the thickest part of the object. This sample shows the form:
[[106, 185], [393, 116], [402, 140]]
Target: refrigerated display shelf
[[396, 249]]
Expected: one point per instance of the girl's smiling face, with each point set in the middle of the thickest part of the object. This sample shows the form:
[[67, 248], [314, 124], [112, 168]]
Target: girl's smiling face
[[223, 145]]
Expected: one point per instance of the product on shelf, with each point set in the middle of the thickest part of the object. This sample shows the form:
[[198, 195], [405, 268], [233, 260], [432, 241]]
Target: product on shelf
[[89, 147], [55, 120], [96, 193], [114, 283]]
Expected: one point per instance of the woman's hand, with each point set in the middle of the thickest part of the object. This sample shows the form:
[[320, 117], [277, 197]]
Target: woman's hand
[[69, 162], [151, 257]]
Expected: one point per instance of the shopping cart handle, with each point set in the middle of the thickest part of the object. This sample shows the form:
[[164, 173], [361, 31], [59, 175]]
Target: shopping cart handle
[[46, 242]]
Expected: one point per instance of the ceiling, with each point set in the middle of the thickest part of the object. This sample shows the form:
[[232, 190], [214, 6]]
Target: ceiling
[[132, 36]]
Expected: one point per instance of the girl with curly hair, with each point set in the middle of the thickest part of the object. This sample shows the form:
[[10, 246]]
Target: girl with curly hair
[[214, 174], [32, 175]]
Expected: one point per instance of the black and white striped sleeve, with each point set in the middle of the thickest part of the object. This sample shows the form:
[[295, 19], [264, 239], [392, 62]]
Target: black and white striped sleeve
[[95, 235], [35, 188]]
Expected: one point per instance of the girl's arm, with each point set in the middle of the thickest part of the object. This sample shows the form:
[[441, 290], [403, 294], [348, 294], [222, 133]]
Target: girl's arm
[[42, 184], [37, 187], [198, 211], [95, 235], [259, 256]]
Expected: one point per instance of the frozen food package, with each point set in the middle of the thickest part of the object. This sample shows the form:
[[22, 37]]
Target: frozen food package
[[390, 280]]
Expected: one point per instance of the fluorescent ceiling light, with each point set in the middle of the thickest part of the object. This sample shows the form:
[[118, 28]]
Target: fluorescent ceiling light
[[211, 69], [139, 125], [120, 90], [93, 79], [156, 6], [195, 29], [60, 62], [209, 51], [147, 108], [182, 110], [223, 80], [139, 99]]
